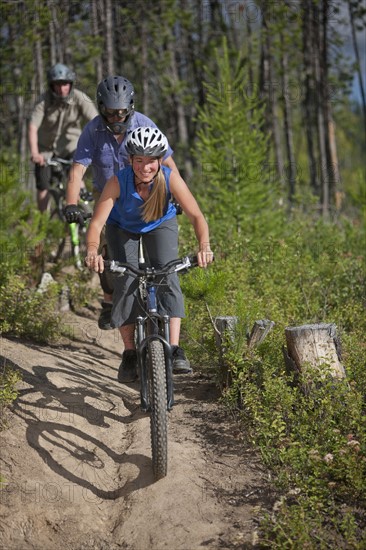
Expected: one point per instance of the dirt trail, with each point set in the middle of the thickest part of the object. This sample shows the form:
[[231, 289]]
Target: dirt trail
[[76, 457]]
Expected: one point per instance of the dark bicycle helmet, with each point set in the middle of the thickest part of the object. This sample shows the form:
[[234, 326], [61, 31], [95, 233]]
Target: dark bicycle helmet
[[147, 142], [60, 72], [116, 93]]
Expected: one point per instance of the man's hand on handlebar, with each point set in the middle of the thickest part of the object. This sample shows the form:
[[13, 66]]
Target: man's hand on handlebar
[[73, 214], [38, 159]]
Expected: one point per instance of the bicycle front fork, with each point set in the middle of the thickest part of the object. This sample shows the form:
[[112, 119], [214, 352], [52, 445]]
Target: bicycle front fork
[[142, 343]]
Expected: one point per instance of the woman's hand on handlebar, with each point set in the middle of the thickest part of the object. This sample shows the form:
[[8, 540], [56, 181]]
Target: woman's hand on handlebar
[[94, 262], [205, 256]]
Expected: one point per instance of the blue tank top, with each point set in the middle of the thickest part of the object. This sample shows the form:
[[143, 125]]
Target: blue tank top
[[127, 211]]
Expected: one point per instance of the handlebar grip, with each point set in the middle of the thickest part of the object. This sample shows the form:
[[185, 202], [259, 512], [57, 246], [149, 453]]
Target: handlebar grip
[[193, 258], [83, 217]]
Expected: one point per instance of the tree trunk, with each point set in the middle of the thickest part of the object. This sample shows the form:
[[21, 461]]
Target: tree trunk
[[358, 59], [337, 193], [319, 79], [109, 37], [144, 70], [179, 109], [52, 33], [333, 175], [64, 48], [96, 33], [291, 172], [250, 56], [268, 90], [39, 67], [309, 104]]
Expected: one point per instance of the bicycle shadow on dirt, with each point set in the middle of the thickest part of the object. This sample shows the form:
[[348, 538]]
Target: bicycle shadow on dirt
[[43, 405]]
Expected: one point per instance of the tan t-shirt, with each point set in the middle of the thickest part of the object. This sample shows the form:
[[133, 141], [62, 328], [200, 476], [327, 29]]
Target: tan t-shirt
[[60, 123]]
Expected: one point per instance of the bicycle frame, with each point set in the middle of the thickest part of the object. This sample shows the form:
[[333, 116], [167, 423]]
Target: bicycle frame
[[60, 168], [153, 325]]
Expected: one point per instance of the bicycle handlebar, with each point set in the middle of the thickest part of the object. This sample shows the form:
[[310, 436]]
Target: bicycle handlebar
[[55, 161], [173, 266], [81, 218]]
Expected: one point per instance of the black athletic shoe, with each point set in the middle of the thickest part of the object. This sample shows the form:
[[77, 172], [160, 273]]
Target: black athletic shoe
[[181, 364], [127, 371], [104, 321]]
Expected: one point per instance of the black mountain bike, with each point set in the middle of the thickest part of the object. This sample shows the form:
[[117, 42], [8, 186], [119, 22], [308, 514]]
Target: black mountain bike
[[154, 353], [59, 175]]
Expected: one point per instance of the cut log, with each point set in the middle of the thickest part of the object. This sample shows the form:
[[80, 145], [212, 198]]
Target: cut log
[[259, 332], [316, 345], [225, 329]]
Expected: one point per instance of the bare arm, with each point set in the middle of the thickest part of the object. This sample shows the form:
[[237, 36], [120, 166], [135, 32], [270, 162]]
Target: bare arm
[[74, 183], [190, 207], [169, 162], [102, 210], [36, 157]]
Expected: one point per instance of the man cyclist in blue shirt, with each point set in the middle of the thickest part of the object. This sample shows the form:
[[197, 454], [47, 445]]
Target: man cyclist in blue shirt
[[102, 145]]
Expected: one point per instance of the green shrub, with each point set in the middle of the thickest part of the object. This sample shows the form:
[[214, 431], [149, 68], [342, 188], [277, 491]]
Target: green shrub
[[8, 391], [26, 313], [314, 443]]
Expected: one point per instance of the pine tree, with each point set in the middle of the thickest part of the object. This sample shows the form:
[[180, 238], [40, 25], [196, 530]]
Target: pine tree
[[235, 182]]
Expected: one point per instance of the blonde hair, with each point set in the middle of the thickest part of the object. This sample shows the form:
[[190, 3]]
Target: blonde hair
[[153, 208]]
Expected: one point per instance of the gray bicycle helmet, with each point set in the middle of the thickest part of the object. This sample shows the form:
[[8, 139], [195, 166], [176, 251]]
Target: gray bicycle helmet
[[60, 72], [147, 142], [116, 92]]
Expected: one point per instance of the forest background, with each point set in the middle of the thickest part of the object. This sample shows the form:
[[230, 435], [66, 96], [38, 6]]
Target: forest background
[[264, 106], [294, 63]]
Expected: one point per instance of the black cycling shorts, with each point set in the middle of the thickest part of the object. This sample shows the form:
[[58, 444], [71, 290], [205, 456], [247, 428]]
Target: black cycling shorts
[[43, 175]]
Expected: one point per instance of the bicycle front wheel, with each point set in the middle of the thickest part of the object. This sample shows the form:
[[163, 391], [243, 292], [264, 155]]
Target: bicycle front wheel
[[158, 412]]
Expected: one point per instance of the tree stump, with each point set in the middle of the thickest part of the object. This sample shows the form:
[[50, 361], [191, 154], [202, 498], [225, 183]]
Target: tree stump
[[259, 332], [316, 345], [225, 328]]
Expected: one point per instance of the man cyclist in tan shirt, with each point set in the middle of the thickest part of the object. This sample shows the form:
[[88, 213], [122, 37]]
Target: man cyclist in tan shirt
[[55, 125]]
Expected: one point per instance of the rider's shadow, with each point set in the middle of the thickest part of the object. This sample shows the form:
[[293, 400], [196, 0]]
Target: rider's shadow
[[78, 453]]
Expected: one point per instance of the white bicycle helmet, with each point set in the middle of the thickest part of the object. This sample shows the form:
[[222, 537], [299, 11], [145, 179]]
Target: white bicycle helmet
[[147, 142]]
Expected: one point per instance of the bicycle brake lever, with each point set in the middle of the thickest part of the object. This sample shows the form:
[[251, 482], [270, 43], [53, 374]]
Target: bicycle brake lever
[[115, 268]]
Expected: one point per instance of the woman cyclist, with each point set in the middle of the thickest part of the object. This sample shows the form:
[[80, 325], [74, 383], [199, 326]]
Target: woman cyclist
[[136, 202]]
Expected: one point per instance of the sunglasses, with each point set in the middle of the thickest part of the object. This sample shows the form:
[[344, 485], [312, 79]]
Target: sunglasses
[[111, 113], [61, 82]]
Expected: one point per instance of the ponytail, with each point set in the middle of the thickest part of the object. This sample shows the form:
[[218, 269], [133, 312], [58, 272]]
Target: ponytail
[[153, 209]]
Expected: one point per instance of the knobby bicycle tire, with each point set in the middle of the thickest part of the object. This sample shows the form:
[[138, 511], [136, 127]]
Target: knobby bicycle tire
[[158, 412], [74, 235], [55, 209]]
